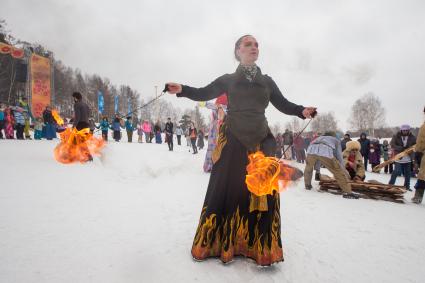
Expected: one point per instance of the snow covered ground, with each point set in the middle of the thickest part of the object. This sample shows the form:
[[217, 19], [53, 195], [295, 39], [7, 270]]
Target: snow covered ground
[[131, 217]]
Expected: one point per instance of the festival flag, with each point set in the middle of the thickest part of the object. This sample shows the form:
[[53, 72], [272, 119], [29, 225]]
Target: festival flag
[[40, 84], [100, 102], [116, 104]]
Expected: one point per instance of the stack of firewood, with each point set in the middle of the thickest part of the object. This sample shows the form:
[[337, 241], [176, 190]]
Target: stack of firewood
[[368, 190]]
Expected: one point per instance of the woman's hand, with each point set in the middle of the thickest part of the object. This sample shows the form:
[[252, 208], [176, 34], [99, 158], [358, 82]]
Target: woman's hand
[[174, 88], [309, 112]]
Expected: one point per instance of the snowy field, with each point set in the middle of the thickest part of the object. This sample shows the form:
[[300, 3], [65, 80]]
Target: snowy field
[[131, 217]]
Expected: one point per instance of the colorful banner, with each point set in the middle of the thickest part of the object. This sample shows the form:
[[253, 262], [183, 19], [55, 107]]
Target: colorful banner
[[15, 52], [100, 102], [40, 84], [116, 104]]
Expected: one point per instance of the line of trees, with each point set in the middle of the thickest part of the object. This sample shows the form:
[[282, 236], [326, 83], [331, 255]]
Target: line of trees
[[367, 115]]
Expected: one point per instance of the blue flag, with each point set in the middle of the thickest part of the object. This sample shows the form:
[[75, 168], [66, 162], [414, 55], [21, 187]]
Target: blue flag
[[116, 104], [128, 106], [100, 102]]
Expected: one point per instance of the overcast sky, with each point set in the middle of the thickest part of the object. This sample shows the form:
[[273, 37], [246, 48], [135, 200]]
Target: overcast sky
[[325, 53]]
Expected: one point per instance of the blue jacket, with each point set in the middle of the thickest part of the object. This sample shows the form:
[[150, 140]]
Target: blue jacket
[[1, 115], [104, 125], [129, 126], [116, 126]]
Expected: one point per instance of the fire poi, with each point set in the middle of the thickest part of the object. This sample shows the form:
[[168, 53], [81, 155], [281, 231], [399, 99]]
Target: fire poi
[[76, 146], [266, 174]]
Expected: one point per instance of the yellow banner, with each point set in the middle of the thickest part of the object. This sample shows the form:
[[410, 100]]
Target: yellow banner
[[40, 84]]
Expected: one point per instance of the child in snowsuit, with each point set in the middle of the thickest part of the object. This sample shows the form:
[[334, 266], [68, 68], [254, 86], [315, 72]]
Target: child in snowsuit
[[38, 128], [104, 127]]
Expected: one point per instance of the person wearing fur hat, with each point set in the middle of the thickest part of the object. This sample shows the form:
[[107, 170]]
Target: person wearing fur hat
[[400, 142], [353, 161], [420, 184], [327, 150]]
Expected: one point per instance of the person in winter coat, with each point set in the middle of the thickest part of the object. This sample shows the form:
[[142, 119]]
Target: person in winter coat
[[104, 127], [279, 145], [186, 134], [38, 128], [81, 120], [299, 149], [353, 161], [420, 148], [179, 134], [193, 133], [200, 142], [147, 129], [2, 122], [327, 150], [344, 141], [375, 153], [116, 128], [169, 134], [157, 130], [49, 122], [365, 146], [140, 132], [9, 123], [129, 128], [386, 153], [81, 112], [287, 144], [400, 142], [19, 122]]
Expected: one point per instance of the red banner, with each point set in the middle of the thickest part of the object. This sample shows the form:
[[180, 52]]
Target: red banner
[[40, 84], [15, 52]]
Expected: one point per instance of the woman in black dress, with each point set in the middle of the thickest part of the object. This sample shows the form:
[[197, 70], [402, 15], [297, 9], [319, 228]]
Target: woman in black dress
[[234, 221]]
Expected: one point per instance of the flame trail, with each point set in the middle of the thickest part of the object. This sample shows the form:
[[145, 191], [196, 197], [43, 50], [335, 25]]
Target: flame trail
[[76, 146], [267, 174]]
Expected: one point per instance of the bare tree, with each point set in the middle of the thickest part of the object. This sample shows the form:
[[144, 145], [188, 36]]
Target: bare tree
[[276, 128], [324, 122], [367, 114]]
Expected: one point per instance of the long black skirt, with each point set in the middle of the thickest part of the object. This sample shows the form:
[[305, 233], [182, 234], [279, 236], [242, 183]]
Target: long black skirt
[[226, 227]]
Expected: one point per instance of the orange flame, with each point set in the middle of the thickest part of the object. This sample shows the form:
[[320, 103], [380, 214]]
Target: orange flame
[[57, 118], [267, 174], [77, 146]]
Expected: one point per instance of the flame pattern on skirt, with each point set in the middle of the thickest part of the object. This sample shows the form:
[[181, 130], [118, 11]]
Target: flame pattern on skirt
[[234, 235]]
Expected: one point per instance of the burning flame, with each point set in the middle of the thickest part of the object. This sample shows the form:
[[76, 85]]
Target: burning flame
[[57, 118], [76, 146], [267, 174]]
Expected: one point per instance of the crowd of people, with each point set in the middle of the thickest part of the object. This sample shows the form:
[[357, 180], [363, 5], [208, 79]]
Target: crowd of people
[[17, 122], [366, 153], [348, 159]]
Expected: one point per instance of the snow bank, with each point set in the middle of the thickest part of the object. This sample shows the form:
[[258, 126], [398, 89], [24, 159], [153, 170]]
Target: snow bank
[[131, 217]]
